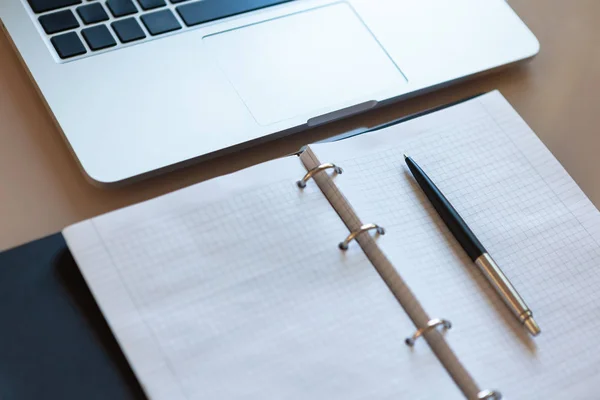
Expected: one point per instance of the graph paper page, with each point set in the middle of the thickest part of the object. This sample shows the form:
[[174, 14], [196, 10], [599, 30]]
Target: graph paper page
[[526, 210], [235, 289]]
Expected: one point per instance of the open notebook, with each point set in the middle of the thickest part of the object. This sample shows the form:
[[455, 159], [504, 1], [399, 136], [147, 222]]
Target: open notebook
[[235, 288]]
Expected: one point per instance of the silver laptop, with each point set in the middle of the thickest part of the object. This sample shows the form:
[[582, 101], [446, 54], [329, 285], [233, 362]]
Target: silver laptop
[[142, 86]]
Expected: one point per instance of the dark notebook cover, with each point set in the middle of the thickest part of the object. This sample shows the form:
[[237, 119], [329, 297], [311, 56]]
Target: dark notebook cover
[[54, 341]]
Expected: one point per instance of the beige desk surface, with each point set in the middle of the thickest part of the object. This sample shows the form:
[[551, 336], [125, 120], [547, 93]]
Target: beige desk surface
[[558, 94]]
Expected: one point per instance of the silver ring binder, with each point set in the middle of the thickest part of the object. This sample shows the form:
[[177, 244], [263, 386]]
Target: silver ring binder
[[489, 395], [302, 183], [368, 227], [434, 323]]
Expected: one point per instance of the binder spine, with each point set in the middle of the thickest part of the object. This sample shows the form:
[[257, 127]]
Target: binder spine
[[426, 327]]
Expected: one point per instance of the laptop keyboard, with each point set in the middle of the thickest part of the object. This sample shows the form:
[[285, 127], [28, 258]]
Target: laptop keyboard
[[77, 28]]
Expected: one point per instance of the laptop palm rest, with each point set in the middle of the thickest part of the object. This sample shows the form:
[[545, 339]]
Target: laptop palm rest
[[311, 63]]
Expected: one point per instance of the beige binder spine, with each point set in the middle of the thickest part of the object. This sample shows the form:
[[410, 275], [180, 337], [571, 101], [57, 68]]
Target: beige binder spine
[[427, 328]]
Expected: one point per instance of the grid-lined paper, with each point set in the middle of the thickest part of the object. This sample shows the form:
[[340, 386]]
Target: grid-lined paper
[[534, 220], [235, 289]]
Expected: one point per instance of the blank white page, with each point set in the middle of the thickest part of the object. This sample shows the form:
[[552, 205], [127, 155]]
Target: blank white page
[[529, 214], [235, 289]]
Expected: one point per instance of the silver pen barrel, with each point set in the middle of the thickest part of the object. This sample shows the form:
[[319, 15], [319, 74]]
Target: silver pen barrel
[[507, 292]]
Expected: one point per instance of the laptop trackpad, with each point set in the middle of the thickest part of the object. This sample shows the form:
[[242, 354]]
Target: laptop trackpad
[[305, 63]]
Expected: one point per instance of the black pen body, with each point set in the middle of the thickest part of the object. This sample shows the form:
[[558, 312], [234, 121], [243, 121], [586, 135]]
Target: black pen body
[[459, 228]]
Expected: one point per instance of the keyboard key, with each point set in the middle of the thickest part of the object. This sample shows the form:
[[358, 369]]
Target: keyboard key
[[120, 8], [92, 13], [128, 30], [150, 4], [210, 10], [59, 21], [98, 37], [68, 45], [177, 1], [160, 22], [40, 6]]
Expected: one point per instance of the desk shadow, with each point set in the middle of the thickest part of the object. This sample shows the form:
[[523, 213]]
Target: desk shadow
[[499, 307], [75, 284]]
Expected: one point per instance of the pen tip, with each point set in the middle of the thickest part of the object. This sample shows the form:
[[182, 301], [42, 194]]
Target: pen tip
[[405, 156], [532, 326]]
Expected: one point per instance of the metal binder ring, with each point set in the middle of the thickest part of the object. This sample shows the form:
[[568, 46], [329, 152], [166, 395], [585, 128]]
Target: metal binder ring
[[489, 395], [344, 245], [302, 183], [434, 323]]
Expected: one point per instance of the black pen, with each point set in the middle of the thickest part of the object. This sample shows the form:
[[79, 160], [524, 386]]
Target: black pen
[[474, 248]]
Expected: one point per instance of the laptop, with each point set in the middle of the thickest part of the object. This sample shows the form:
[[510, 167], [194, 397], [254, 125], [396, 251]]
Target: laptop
[[139, 87]]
